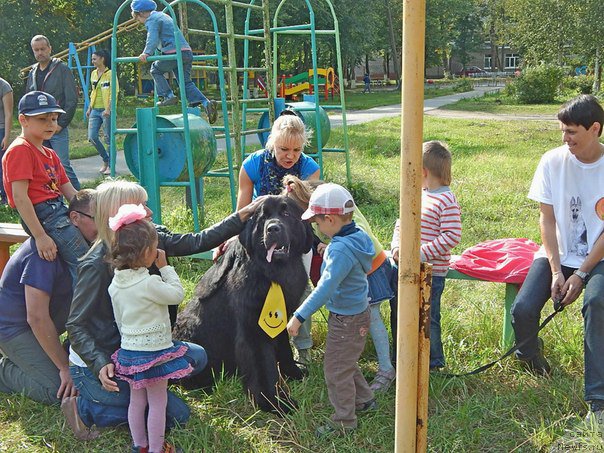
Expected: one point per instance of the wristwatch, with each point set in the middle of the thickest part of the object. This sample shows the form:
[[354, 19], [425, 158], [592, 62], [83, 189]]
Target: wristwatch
[[584, 276]]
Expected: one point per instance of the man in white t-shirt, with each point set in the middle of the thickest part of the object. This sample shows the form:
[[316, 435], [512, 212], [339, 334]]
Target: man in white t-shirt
[[569, 186]]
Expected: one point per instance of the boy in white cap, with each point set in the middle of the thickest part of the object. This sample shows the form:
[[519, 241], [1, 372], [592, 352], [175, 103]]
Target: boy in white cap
[[36, 183], [342, 288], [160, 35]]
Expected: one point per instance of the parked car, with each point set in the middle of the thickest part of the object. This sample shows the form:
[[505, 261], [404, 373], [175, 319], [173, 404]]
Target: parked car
[[472, 71]]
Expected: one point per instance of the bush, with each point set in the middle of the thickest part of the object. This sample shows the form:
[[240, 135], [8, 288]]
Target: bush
[[537, 85], [581, 84]]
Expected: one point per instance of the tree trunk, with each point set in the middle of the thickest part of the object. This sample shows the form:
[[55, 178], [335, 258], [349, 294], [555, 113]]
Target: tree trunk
[[395, 59], [597, 73]]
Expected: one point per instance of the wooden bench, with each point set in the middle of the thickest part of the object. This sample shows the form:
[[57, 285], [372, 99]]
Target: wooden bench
[[511, 290], [10, 233]]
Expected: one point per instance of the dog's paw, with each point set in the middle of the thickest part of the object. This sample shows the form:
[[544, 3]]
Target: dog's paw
[[296, 371]]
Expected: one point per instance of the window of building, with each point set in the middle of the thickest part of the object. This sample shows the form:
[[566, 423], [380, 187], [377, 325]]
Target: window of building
[[487, 61], [512, 60]]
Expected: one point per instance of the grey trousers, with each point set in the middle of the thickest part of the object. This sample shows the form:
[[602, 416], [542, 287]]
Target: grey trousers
[[25, 368], [346, 385]]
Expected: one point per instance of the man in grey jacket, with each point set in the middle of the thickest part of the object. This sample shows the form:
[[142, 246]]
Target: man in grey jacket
[[54, 77]]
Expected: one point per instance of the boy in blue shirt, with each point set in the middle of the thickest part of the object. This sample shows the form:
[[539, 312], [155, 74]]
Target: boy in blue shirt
[[342, 288], [160, 35]]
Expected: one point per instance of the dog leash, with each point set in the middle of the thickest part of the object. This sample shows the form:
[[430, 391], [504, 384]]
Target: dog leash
[[558, 307]]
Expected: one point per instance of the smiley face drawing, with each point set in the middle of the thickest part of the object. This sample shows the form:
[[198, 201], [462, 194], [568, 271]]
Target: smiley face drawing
[[272, 317]]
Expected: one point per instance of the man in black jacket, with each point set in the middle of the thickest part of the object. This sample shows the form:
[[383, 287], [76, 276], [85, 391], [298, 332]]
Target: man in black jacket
[[54, 77]]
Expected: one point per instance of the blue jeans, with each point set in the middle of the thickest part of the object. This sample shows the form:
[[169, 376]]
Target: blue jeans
[[97, 406], [526, 311], [95, 121], [437, 356], [54, 217], [2, 191], [60, 144], [158, 68]]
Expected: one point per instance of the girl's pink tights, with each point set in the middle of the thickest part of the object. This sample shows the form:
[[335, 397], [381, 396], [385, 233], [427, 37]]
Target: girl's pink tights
[[156, 395]]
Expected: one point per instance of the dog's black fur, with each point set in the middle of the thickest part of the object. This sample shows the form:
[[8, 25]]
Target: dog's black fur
[[223, 315]]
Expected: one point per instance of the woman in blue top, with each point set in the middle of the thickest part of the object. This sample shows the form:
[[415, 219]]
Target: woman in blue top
[[262, 172]]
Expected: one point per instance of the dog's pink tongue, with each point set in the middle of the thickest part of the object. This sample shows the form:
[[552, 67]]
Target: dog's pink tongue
[[269, 253]]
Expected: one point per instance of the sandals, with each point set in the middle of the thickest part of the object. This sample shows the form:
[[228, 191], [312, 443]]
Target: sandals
[[382, 381], [105, 170]]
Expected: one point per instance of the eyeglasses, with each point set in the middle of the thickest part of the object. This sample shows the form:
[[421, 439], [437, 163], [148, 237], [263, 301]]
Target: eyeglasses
[[85, 215]]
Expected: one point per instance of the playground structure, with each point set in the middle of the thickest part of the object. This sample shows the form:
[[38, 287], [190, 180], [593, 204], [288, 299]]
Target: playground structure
[[162, 167], [291, 87], [183, 148]]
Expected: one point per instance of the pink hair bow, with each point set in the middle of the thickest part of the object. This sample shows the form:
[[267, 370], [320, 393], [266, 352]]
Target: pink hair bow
[[126, 214]]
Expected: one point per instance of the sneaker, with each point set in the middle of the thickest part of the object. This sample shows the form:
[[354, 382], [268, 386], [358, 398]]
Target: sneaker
[[170, 100], [382, 381], [330, 430], [211, 111], [69, 407], [104, 168], [595, 416], [304, 356], [538, 364], [136, 449], [367, 406]]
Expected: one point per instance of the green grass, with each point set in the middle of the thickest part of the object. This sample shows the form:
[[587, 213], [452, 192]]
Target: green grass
[[504, 409], [355, 100], [499, 103]]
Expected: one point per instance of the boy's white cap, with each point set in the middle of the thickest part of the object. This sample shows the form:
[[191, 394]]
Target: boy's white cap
[[329, 199]]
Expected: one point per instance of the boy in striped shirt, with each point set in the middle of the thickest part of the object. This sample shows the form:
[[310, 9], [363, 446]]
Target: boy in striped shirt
[[440, 232]]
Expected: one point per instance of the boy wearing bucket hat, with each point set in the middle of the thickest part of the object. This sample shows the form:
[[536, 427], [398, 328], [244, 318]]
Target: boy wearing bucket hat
[[161, 35], [343, 289], [35, 182]]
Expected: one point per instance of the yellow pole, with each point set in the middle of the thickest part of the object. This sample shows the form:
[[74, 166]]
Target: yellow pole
[[414, 18], [423, 366]]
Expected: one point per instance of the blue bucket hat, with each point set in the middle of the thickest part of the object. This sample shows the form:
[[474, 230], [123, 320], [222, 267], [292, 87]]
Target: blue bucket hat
[[138, 6], [38, 103]]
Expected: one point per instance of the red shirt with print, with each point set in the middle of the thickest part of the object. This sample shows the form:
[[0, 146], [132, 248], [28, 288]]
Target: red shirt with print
[[43, 170]]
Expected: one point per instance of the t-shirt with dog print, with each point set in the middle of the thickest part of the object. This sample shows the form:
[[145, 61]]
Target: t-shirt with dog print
[[573, 189]]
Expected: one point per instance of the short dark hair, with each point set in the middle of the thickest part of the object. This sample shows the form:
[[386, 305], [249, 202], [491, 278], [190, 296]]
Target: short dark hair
[[104, 54], [584, 110], [83, 200], [130, 243]]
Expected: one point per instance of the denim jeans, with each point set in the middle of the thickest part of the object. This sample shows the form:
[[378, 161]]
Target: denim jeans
[[2, 191], [437, 356], [158, 68], [60, 144], [97, 406], [95, 121], [526, 311], [54, 217]]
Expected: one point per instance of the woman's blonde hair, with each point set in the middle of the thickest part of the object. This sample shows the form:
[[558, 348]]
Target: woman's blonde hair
[[109, 197], [299, 190], [287, 128]]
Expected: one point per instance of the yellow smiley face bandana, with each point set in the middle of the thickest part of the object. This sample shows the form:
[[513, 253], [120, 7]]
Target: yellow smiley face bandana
[[273, 315]]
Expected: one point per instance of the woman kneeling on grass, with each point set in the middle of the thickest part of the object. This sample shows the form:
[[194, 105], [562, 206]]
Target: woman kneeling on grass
[[94, 336]]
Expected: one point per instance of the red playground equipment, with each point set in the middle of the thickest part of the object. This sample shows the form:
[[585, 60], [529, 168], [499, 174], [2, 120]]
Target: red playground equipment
[[291, 87]]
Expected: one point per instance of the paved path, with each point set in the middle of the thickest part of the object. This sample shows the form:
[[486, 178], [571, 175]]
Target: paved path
[[87, 168]]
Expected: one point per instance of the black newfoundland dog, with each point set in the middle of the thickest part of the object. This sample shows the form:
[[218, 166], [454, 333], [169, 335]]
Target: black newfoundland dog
[[224, 314]]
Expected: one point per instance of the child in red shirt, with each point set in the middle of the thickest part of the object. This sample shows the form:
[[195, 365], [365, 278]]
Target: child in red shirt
[[35, 182]]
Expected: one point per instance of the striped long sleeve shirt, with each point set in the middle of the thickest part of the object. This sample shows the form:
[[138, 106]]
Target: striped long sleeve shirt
[[440, 228]]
